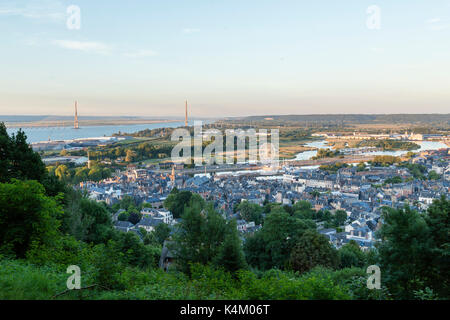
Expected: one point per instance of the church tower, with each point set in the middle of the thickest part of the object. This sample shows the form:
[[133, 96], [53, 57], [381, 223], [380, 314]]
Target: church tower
[[172, 176]]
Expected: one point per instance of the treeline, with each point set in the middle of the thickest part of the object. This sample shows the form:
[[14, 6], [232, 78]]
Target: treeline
[[417, 170], [326, 153], [293, 134], [385, 161], [389, 145], [358, 118], [133, 153], [70, 174], [333, 168]]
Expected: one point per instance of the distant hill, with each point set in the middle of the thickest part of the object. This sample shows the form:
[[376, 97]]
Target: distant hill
[[352, 118]]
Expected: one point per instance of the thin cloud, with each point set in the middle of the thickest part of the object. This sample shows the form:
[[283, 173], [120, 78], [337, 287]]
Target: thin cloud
[[437, 24], [101, 48], [141, 54], [31, 42], [439, 27], [47, 10], [85, 46], [377, 50], [190, 30], [434, 20]]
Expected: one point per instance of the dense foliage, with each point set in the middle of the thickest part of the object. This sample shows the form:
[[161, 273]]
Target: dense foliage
[[333, 168], [385, 161], [415, 253], [70, 174], [45, 227], [389, 145], [27, 217], [326, 153]]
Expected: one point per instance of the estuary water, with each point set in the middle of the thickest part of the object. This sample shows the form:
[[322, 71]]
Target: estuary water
[[424, 146], [306, 155], [38, 134]]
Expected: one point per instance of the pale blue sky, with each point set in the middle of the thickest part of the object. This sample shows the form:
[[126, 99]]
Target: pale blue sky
[[227, 57]]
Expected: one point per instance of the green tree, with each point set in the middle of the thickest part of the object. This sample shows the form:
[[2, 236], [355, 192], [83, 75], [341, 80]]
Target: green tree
[[107, 265], [230, 255], [339, 218], [131, 155], [148, 238], [361, 167], [200, 236], [350, 255], [17, 158], [250, 212], [313, 249], [134, 217], [393, 180], [432, 175], [87, 220], [95, 174], [404, 251], [324, 215], [19, 161], [133, 252], [27, 216], [410, 154], [271, 246], [417, 170], [385, 160], [438, 220], [303, 210], [81, 174], [127, 202], [162, 232], [62, 172], [178, 200], [123, 216], [54, 186], [315, 193]]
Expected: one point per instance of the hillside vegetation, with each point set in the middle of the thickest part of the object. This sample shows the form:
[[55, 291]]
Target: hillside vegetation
[[46, 226]]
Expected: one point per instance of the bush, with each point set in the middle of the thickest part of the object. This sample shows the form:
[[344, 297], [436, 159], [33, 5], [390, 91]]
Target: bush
[[27, 216], [20, 280]]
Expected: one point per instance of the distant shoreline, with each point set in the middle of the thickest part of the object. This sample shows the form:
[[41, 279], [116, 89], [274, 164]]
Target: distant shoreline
[[84, 123]]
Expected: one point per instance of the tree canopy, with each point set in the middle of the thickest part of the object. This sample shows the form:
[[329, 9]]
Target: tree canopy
[[27, 216], [204, 236], [271, 246], [313, 249]]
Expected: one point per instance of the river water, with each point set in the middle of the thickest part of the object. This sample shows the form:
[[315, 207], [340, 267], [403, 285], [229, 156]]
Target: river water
[[39, 134], [424, 146], [306, 155]]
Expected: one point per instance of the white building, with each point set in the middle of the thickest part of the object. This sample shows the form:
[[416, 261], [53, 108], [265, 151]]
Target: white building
[[158, 214]]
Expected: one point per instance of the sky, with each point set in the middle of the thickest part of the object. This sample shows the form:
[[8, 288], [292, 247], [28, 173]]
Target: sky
[[227, 57]]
